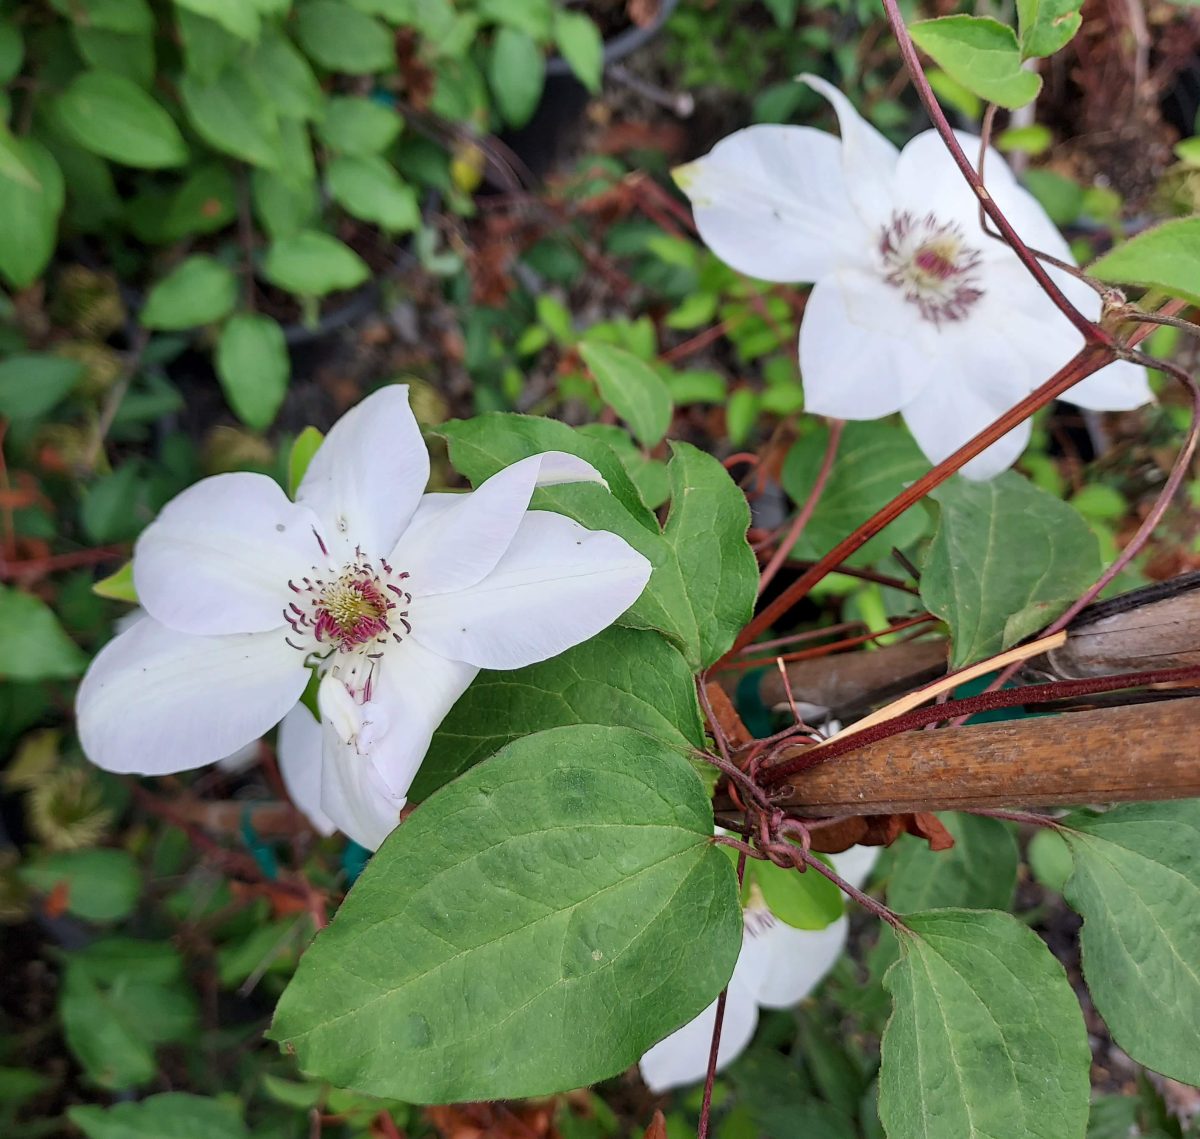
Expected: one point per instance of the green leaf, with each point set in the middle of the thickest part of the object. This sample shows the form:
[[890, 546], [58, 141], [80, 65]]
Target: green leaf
[[1047, 25], [235, 16], [109, 510], [622, 677], [170, 1115], [129, 16], [128, 55], [208, 49], [981, 54], [284, 205], [253, 367], [101, 885], [803, 901], [1061, 197], [34, 383], [874, 462], [234, 114], [1137, 885], [205, 203], [120, 998], [200, 290], [113, 117], [706, 527], [33, 645], [1166, 257], [301, 454], [12, 50], [985, 1039], [529, 16], [979, 871], [516, 74], [1050, 859], [534, 927], [13, 164], [118, 586], [293, 88], [368, 187], [579, 41], [358, 126], [341, 38], [311, 263], [1001, 547], [30, 212], [631, 388]]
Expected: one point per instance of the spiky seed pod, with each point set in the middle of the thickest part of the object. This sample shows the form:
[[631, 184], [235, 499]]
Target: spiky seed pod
[[66, 811], [88, 302]]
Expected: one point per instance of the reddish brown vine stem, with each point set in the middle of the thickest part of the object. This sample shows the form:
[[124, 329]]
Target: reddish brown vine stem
[[1090, 359]]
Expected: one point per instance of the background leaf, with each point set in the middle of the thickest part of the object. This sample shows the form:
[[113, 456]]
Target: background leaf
[[981, 54], [592, 915], [342, 38], [253, 367], [28, 237], [100, 885], [1164, 257], [113, 117], [516, 72], [874, 462], [985, 1039], [233, 113], [1137, 885], [631, 388], [170, 1115], [33, 645], [579, 41], [198, 291], [31, 384], [311, 264], [979, 871], [1000, 547], [1047, 25]]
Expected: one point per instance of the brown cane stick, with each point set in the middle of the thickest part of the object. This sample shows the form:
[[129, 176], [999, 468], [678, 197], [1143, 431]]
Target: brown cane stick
[[1137, 753]]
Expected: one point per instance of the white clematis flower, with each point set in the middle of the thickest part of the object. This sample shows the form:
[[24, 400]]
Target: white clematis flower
[[397, 597], [913, 310], [778, 967]]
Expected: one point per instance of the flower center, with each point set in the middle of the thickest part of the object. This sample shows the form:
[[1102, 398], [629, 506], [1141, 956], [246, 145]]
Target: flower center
[[360, 608], [931, 263]]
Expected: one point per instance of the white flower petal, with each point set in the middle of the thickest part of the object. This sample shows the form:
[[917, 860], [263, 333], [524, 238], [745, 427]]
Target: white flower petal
[[368, 475], [155, 700], [219, 556], [979, 376], [855, 864], [415, 688], [452, 546], [861, 355], [928, 181], [682, 1058], [557, 585], [868, 159], [1121, 386], [354, 794], [797, 961], [299, 748], [771, 202]]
